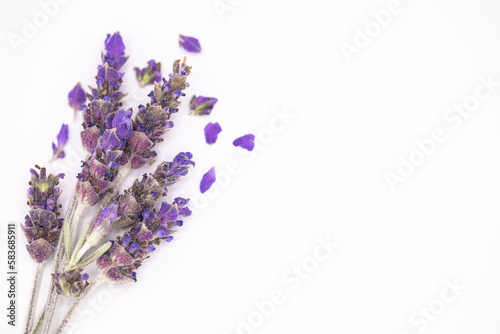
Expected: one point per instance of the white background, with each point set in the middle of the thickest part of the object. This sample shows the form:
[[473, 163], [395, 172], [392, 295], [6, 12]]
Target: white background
[[320, 175]]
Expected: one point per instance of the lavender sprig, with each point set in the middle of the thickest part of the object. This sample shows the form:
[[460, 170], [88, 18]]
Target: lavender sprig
[[42, 226]]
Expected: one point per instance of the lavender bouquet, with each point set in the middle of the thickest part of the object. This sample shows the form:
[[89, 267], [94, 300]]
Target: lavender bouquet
[[117, 142]]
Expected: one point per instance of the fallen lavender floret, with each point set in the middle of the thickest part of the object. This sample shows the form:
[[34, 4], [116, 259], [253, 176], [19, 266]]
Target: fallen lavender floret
[[149, 74], [62, 139], [212, 130], [207, 180], [202, 105], [71, 283], [77, 98], [247, 142], [189, 44]]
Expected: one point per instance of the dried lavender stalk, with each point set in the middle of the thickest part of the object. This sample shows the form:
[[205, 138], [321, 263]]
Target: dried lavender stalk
[[34, 297], [41, 226]]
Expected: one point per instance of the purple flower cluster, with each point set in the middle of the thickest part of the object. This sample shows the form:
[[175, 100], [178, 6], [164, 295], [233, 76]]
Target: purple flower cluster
[[70, 283], [41, 226], [144, 193], [128, 251]]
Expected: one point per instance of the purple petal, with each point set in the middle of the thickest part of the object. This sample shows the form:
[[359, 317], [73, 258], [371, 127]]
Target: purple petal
[[212, 130], [201, 105], [62, 137], [207, 180], [190, 44], [114, 45], [77, 97], [247, 142]]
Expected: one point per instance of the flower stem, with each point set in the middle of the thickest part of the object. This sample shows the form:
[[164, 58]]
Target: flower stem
[[73, 214], [34, 296], [94, 284], [38, 323]]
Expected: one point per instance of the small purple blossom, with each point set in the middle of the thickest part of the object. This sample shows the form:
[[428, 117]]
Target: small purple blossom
[[202, 105], [102, 224], [189, 44], [149, 74], [62, 139], [212, 130], [115, 51], [70, 283], [247, 142], [77, 97], [207, 180]]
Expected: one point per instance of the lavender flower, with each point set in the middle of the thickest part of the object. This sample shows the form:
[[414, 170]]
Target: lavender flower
[[153, 120], [70, 283], [144, 194], [189, 44], [105, 99], [62, 139], [126, 254], [149, 74], [42, 226], [247, 142], [207, 180], [212, 130], [202, 105], [115, 51], [77, 97], [102, 224]]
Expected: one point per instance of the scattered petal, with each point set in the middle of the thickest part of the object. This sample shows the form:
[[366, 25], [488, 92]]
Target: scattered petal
[[189, 44], [207, 180], [247, 142], [149, 74], [77, 97], [212, 130], [202, 105], [62, 139]]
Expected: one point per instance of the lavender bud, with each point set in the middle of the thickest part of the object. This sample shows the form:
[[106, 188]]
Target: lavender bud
[[70, 283]]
